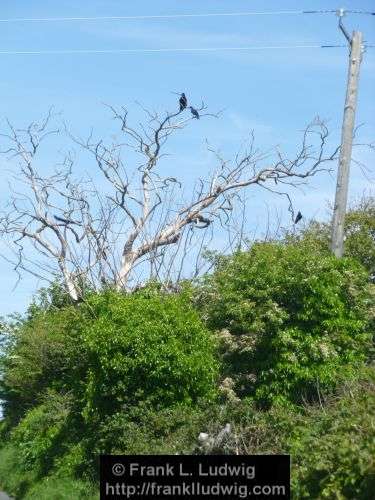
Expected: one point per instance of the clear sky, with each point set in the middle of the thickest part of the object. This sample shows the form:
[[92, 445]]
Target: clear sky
[[275, 92]]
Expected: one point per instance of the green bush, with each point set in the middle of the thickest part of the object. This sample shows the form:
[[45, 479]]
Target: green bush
[[293, 319], [137, 373], [110, 351], [145, 346], [13, 477], [27, 485], [106, 356], [359, 234], [38, 435], [77, 458], [333, 448], [41, 352], [144, 430], [332, 444]]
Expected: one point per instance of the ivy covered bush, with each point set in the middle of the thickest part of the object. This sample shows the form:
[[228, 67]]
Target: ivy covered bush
[[359, 234], [42, 352], [332, 444], [111, 352], [72, 373], [147, 346], [43, 432], [282, 324], [292, 320]]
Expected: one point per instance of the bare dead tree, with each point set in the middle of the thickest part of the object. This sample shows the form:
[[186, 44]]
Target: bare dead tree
[[53, 214], [105, 238], [212, 198]]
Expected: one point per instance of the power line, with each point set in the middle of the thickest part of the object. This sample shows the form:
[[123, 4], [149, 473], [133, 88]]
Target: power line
[[161, 16], [129, 51], [365, 12], [177, 16]]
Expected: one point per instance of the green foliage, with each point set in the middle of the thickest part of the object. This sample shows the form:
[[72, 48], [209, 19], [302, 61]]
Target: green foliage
[[39, 434], [145, 346], [13, 477], [73, 459], [59, 488], [359, 234], [332, 446], [112, 350], [293, 319], [26, 484], [51, 298], [138, 373], [144, 430], [42, 352], [110, 355]]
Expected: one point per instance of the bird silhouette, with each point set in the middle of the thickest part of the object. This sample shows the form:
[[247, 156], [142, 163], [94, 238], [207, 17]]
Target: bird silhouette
[[298, 218], [65, 221], [183, 102], [194, 112]]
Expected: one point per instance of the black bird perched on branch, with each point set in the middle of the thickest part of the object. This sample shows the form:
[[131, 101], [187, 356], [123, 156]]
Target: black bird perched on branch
[[183, 102], [65, 221], [194, 112], [298, 218]]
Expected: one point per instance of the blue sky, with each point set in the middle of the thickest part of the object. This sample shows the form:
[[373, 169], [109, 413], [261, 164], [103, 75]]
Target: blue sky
[[274, 92]]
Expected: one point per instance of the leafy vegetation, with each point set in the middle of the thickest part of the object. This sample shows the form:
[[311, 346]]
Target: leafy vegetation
[[71, 370], [277, 341], [147, 346], [293, 320], [332, 444], [359, 234]]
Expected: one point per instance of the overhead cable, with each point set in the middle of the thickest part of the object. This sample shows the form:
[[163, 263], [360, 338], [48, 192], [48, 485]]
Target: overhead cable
[[145, 17], [192, 49]]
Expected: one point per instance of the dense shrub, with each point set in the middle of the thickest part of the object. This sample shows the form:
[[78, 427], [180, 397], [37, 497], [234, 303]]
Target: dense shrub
[[13, 477], [137, 373], [359, 234], [332, 444], [146, 346], [68, 369], [27, 485], [42, 432], [144, 430], [293, 319], [42, 352], [112, 350], [332, 447]]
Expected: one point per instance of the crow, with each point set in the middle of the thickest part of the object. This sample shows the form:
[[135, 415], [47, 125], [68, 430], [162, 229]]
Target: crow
[[183, 102], [65, 221], [298, 218], [194, 112]]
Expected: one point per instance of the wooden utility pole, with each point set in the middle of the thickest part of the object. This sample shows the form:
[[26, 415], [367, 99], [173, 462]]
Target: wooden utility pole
[[338, 223]]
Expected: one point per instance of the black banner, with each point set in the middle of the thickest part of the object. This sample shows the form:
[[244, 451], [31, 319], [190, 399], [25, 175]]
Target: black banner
[[177, 477]]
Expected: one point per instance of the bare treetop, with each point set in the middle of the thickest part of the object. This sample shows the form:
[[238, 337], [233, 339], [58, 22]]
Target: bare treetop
[[100, 237]]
